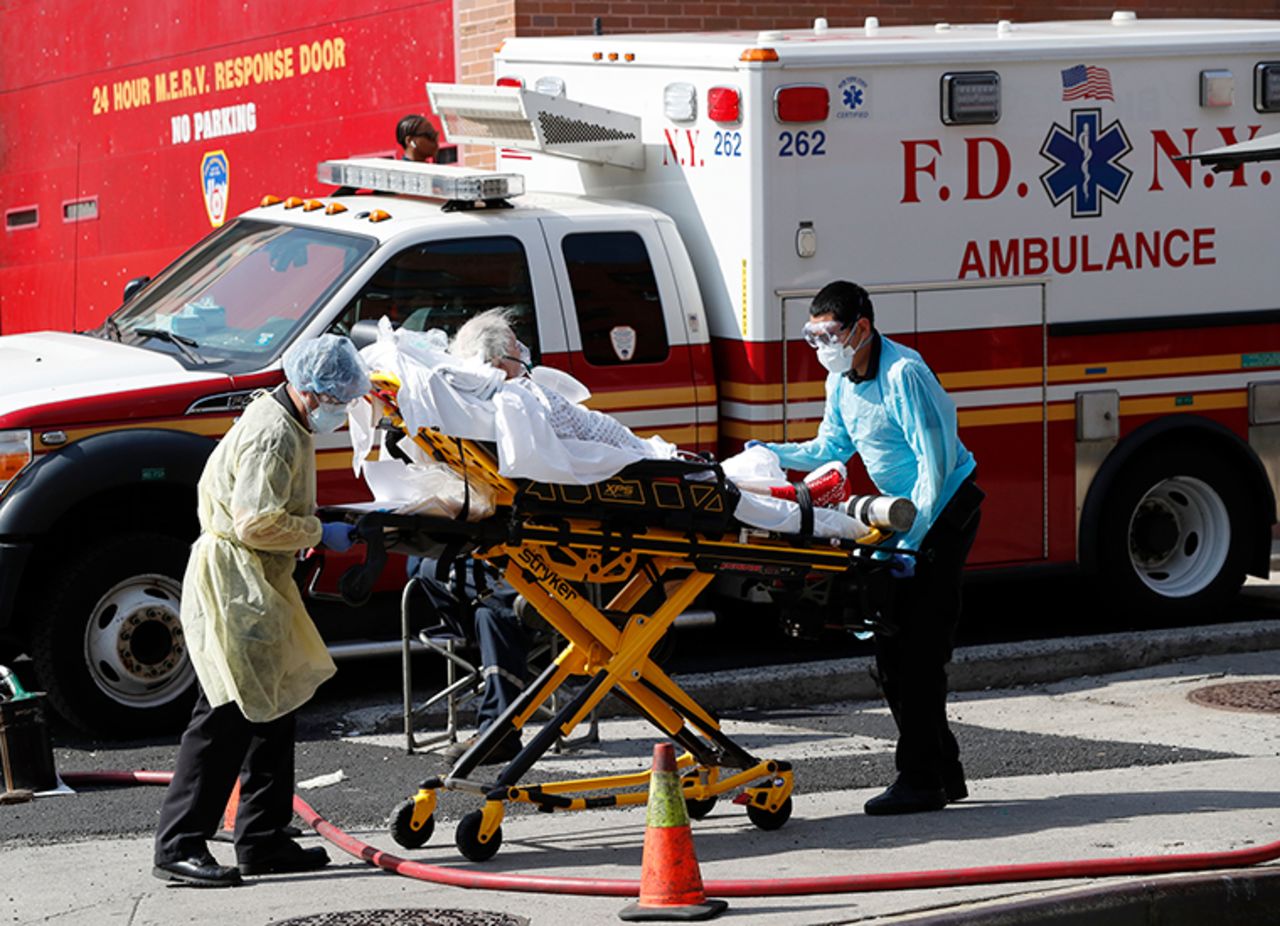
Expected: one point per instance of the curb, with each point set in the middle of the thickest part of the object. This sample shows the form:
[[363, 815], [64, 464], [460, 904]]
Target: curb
[[1237, 897]]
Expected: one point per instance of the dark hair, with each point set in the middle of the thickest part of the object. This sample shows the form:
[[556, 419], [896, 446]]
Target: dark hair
[[411, 125], [847, 301]]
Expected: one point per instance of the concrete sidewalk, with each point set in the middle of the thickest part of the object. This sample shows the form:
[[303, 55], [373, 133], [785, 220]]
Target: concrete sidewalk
[[1227, 798]]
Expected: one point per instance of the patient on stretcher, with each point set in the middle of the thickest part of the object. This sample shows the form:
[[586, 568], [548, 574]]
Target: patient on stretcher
[[482, 387]]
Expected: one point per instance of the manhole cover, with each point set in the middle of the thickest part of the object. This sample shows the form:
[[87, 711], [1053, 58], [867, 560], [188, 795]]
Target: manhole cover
[[407, 918], [1254, 697]]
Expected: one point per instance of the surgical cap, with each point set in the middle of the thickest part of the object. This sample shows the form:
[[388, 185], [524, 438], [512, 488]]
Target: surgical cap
[[328, 365]]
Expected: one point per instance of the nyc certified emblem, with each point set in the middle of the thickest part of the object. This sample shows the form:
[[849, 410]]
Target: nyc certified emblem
[[854, 98], [215, 180], [1086, 163]]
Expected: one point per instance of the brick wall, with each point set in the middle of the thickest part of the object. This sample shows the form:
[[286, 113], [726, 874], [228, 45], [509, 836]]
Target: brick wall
[[568, 17], [479, 28]]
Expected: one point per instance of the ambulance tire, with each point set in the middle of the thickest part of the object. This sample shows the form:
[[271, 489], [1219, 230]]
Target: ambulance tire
[[114, 606], [1173, 538]]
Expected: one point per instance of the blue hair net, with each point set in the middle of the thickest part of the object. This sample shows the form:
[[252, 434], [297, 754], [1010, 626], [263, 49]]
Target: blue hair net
[[328, 365]]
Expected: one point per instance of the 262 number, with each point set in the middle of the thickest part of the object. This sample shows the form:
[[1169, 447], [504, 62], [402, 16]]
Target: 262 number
[[802, 144], [729, 144]]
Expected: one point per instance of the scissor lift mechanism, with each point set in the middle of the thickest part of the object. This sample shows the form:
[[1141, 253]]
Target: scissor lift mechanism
[[549, 540]]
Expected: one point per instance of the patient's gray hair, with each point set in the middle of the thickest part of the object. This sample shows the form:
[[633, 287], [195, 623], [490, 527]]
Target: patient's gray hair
[[485, 337]]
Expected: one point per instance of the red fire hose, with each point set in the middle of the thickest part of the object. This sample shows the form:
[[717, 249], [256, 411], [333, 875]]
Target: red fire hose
[[778, 887]]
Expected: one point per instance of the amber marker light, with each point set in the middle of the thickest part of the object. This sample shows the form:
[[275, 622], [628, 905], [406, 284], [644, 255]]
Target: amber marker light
[[758, 54], [629, 56], [334, 208], [312, 205], [377, 215], [597, 56], [293, 202], [613, 56], [269, 200]]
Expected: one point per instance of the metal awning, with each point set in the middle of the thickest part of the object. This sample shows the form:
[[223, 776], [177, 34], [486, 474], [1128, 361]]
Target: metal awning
[[1229, 157]]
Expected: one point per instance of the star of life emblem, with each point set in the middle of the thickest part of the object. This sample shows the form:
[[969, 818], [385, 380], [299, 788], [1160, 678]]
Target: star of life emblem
[[1086, 163]]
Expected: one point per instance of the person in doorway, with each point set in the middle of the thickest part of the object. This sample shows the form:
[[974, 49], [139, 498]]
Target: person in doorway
[[418, 138], [256, 654], [885, 404]]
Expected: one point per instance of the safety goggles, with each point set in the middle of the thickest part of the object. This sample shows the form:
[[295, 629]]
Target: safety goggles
[[818, 334]]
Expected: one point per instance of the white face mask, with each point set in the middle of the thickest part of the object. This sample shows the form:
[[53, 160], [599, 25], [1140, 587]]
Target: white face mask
[[838, 358], [326, 417]]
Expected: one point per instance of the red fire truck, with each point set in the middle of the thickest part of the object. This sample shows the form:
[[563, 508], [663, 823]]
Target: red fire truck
[[125, 135], [1017, 197]]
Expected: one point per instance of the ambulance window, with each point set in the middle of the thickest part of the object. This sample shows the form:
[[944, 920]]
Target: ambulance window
[[616, 298], [440, 284]]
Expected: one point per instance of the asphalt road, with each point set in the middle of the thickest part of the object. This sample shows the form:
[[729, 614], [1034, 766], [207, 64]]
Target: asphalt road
[[336, 733]]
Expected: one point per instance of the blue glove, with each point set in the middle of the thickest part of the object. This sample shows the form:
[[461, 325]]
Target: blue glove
[[902, 566], [337, 536], [752, 443]]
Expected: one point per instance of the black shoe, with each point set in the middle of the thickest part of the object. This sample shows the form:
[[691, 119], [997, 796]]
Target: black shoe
[[903, 798], [956, 790], [285, 858], [199, 871], [507, 749]]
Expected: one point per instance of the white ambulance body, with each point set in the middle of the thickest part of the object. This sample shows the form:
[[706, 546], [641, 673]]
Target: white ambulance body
[[1103, 312]]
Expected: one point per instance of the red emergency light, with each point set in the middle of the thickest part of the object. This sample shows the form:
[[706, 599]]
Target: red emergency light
[[510, 82], [724, 104], [801, 103]]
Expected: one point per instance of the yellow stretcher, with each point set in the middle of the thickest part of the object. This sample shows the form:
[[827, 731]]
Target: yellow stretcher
[[658, 533]]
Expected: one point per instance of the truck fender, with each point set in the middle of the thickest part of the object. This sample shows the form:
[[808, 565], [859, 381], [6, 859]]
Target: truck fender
[[1204, 431], [62, 479]]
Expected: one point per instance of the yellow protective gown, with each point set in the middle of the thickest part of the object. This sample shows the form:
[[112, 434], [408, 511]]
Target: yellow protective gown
[[248, 634]]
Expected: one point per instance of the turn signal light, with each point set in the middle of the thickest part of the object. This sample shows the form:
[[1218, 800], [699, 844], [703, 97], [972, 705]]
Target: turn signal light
[[801, 103]]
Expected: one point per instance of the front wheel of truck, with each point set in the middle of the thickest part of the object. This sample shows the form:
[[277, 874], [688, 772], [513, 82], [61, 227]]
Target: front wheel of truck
[[109, 647]]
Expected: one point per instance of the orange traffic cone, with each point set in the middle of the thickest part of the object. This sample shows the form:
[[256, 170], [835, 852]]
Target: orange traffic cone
[[228, 831], [670, 882]]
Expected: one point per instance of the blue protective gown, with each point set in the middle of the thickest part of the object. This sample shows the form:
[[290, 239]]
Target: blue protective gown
[[903, 425]]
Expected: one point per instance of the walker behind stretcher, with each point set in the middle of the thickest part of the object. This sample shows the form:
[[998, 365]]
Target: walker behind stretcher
[[656, 535]]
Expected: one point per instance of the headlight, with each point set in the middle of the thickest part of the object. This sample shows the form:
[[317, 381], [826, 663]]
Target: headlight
[[15, 453]]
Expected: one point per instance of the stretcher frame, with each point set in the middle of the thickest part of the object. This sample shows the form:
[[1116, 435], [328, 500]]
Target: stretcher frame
[[547, 559]]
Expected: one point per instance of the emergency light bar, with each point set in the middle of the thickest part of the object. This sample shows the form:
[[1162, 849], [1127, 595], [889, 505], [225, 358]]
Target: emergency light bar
[[455, 184], [513, 117]]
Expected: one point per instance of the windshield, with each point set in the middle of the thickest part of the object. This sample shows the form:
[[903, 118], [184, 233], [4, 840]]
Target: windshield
[[236, 300]]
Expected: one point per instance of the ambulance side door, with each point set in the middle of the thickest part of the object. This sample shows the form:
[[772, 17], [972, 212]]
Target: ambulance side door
[[627, 339]]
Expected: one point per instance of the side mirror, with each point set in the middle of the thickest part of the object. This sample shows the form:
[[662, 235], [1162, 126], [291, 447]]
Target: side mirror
[[364, 332], [133, 287]]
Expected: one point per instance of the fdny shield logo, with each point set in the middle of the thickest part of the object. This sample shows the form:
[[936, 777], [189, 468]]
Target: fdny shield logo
[[623, 338], [215, 180]]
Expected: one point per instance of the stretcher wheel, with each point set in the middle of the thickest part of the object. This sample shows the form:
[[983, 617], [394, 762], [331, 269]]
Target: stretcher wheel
[[699, 808], [402, 830], [767, 820], [467, 837]]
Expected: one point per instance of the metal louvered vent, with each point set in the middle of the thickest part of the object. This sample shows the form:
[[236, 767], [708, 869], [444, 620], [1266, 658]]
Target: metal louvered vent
[[557, 130]]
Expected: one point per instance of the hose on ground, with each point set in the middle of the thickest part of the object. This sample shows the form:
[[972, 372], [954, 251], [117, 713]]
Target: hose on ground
[[743, 887]]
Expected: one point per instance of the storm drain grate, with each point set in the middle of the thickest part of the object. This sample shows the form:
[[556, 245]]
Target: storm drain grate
[[1252, 697], [407, 918]]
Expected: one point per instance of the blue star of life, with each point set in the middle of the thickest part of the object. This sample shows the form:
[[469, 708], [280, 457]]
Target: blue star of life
[[853, 97], [1086, 161]]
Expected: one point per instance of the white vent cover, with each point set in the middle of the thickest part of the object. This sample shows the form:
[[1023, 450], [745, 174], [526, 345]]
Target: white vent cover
[[513, 117]]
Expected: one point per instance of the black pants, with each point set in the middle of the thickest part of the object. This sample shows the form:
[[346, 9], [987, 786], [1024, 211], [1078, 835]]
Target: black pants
[[912, 663], [218, 746]]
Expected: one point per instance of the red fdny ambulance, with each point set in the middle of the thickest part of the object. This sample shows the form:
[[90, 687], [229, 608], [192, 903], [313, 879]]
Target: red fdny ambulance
[[1019, 198]]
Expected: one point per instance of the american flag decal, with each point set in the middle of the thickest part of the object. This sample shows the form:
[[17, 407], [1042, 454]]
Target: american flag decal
[[1086, 82]]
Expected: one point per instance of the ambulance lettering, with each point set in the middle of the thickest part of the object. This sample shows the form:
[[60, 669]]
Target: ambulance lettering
[[682, 148], [1165, 149]]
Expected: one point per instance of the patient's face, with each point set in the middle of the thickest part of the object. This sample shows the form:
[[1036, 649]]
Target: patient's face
[[510, 363]]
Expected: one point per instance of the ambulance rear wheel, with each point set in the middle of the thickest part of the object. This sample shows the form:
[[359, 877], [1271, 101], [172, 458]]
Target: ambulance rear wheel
[[402, 830], [109, 647], [1174, 537], [769, 820], [467, 836]]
